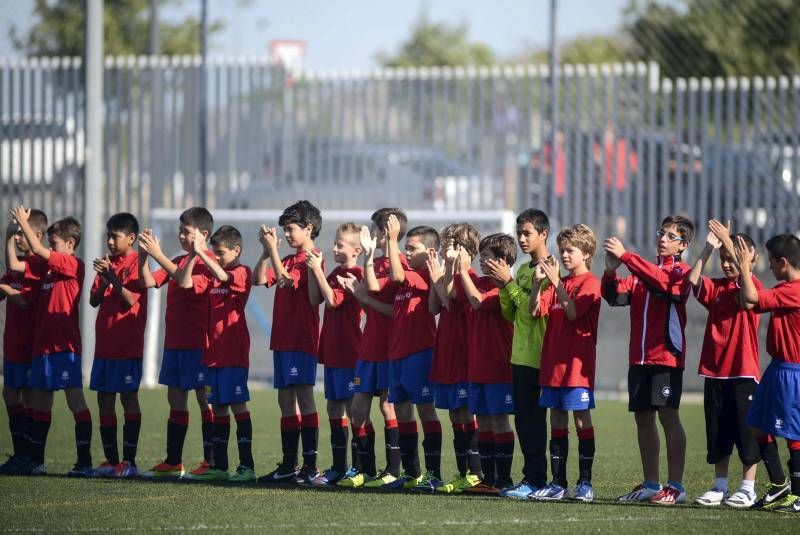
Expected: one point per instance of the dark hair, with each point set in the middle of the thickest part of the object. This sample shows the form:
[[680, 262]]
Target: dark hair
[[226, 236], [123, 222], [65, 229], [751, 244], [381, 217], [537, 218], [427, 235], [502, 246], [463, 234], [683, 224], [37, 220], [198, 217], [785, 246], [302, 214]]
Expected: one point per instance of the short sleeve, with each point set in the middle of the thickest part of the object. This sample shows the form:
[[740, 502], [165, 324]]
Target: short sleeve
[[239, 280], [417, 279], [65, 264], [96, 283], [490, 295], [705, 291], [269, 277], [782, 296]]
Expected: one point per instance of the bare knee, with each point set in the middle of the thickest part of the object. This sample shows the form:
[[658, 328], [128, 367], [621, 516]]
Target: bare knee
[[130, 402], [427, 412], [75, 400]]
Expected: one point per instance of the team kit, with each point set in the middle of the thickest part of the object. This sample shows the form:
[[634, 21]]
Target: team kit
[[506, 342]]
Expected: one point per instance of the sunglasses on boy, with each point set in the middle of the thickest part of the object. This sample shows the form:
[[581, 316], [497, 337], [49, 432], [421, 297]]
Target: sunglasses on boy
[[670, 236]]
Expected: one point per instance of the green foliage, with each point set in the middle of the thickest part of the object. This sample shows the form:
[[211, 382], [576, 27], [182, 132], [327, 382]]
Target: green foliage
[[60, 30], [440, 44]]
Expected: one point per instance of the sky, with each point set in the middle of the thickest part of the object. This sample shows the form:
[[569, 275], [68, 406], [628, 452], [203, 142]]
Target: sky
[[349, 33]]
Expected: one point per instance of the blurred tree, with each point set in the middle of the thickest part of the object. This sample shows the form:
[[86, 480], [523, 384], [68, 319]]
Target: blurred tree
[[60, 29], [437, 44]]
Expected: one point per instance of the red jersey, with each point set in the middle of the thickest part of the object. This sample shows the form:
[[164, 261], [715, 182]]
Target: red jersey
[[730, 344], [783, 333], [490, 335], [375, 342], [228, 340], [413, 326], [119, 329], [340, 339], [20, 322], [295, 323], [57, 327], [450, 356], [657, 294], [569, 350], [186, 318]]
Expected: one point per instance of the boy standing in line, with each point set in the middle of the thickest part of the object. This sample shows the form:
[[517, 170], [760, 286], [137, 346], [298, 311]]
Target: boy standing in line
[[657, 294], [119, 330]]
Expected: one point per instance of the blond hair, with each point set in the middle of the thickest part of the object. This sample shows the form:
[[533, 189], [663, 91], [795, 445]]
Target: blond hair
[[581, 237]]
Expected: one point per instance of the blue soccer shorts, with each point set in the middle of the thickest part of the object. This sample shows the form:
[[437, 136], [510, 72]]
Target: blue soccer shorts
[[293, 368], [408, 378], [16, 374], [226, 386], [182, 368], [486, 399], [567, 398], [56, 371], [371, 377], [116, 375], [339, 383], [450, 397], [776, 404]]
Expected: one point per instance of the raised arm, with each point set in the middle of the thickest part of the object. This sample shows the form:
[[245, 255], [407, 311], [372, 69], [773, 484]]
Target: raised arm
[[149, 244], [438, 296], [748, 293], [183, 276], [146, 279], [359, 290], [202, 252], [368, 245], [473, 294], [397, 273], [21, 215], [318, 288]]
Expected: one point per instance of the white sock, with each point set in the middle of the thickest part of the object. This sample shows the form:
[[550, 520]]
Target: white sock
[[749, 486], [721, 483]]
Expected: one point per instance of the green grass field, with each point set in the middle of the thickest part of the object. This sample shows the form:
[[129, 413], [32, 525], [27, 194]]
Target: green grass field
[[56, 503]]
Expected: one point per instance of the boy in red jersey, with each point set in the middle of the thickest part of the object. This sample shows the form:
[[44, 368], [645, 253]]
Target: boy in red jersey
[[449, 368], [21, 294], [412, 337], [340, 339], [572, 305], [657, 294], [730, 365], [226, 359], [376, 295], [186, 323], [119, 331], [56, 363], [489, 362], [775, 410], [295, 339]]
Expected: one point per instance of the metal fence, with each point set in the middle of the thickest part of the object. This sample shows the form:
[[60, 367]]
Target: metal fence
[[628, 147]]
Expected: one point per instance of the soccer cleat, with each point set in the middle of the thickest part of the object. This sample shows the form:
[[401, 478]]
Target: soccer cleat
[[404, 482], [307, 475], [16, 466], [329, 477], [126, 470], [521, 491], [243, 474], [106, 469], [282, 474], [712, 498], [381, 479], [550, 493], [201, 469], [640, 493], [482, 489], [429, 484], [774, 495], [81, 470], [9, 467], [212, 474], [584, 492], [741, 499], [39, 469], [790, 504], [459, 483], [164, 470], [353, 478], [668, 495]]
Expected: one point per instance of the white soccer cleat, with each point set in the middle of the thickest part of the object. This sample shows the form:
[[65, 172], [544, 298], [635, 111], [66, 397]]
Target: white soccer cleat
[[640, 493], [711, 498]]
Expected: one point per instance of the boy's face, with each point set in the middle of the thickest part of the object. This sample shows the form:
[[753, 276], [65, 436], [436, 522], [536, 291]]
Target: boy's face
[[778, 267], [59, 245], [529, 238], [416, 252], [669, 241], [486, 254], [728, 264], [572, 258], [21, 243], [345, 248], [297, 236], [118, 242], [378, 234], [226, 256], [186, 236]]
